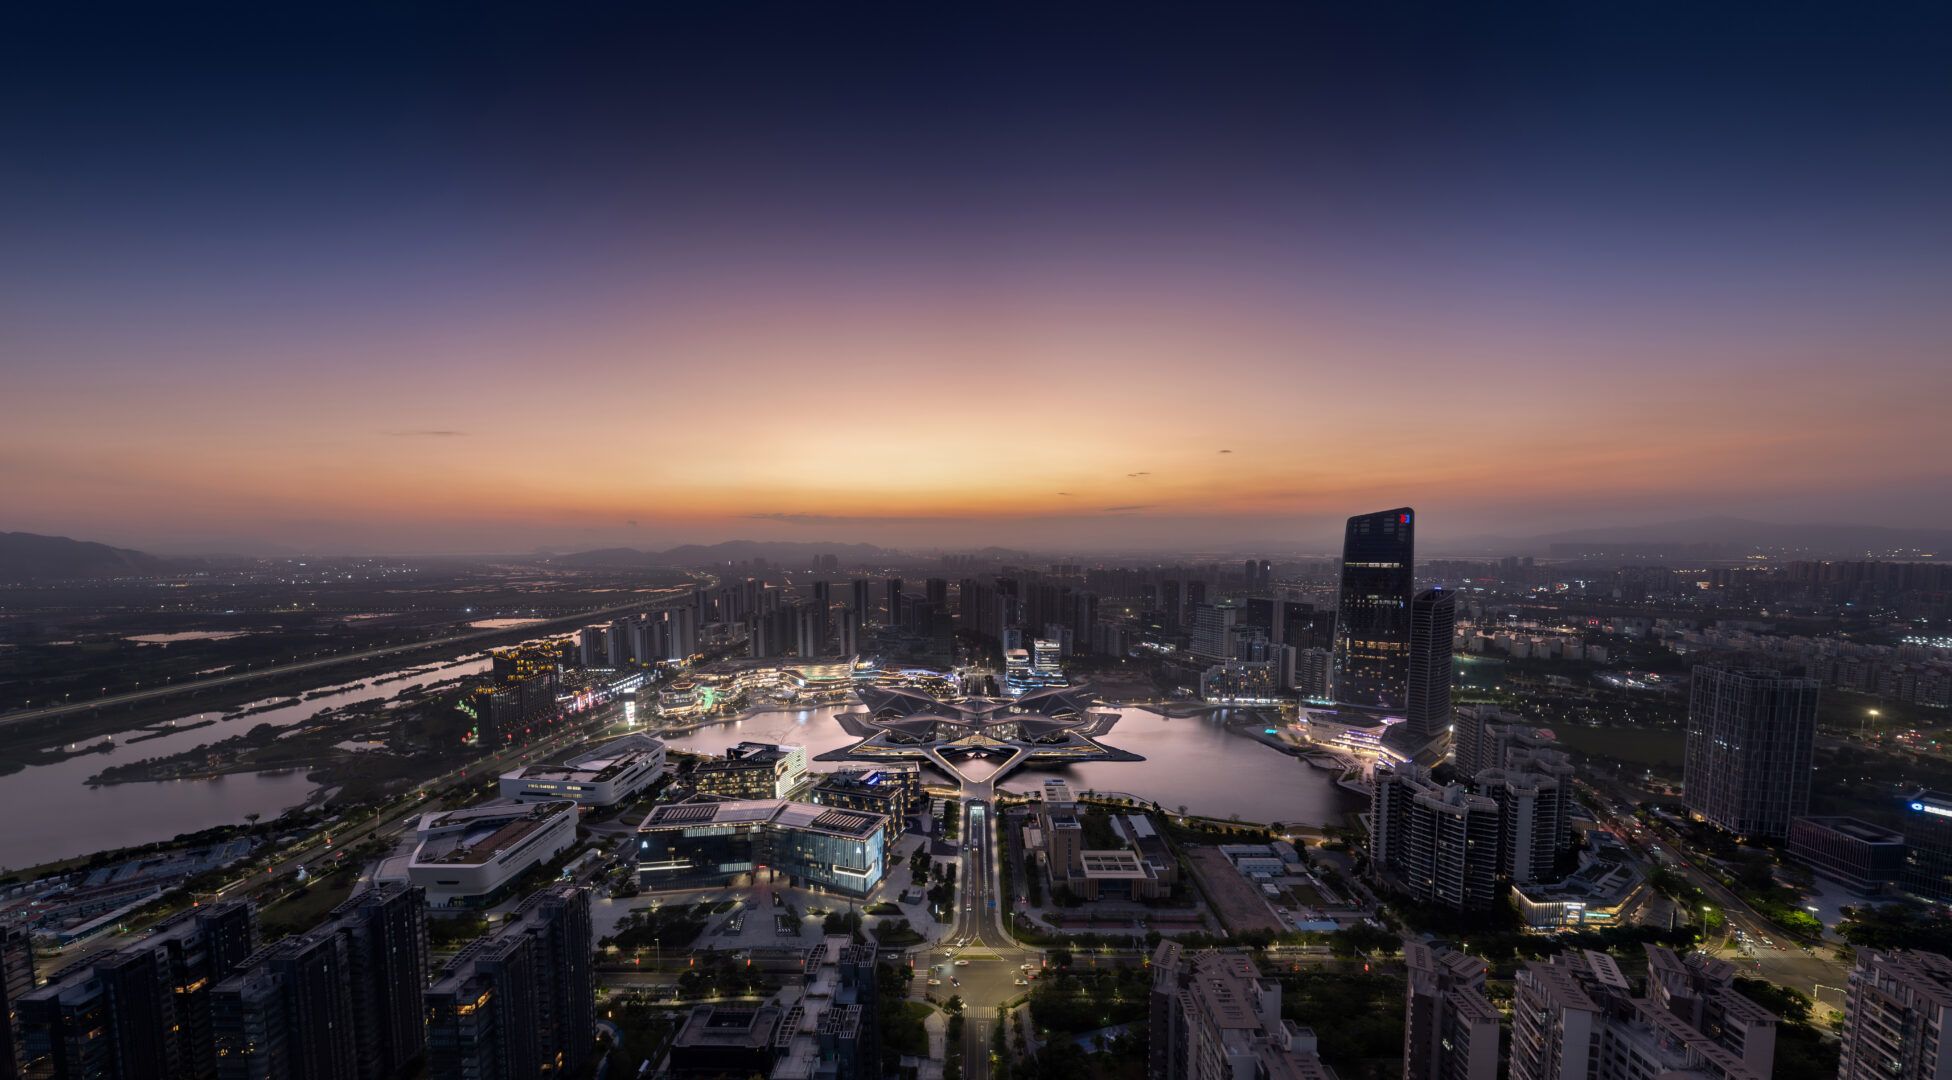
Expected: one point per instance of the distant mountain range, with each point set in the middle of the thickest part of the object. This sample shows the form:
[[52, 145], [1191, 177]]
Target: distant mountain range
[[1835, 541], [32, 557], [790, 552]]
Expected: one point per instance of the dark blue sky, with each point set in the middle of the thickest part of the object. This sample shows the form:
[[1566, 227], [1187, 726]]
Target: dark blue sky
[[1573, 229]]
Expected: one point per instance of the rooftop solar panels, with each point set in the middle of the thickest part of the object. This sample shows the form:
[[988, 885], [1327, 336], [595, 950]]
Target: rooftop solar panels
[[845, 821], [685, 813]]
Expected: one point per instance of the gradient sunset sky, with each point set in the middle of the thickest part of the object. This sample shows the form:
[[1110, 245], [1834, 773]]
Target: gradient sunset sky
[[446, 279]]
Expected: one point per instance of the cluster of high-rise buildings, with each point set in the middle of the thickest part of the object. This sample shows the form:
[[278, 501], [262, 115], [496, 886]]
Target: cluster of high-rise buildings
[[518, 1002], [1507, 818], [641, 640], [1214, 1016], [200, 998], [1580, 1017]]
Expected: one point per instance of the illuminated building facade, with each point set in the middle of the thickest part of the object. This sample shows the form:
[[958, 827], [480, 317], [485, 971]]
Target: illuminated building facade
[[752, 770], [1928, 847], [1372, 623], [707, 842], [605, 776], [893, 790], [1238, 682]]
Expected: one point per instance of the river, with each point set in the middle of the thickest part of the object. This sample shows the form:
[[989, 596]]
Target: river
[[1194, 761], [54, 814]]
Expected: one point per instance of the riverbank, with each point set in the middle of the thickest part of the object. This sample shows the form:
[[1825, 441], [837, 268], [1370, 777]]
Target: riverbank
[[19, 736]]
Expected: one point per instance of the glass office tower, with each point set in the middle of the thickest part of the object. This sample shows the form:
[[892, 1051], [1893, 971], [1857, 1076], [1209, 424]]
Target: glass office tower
[[1372, 620]]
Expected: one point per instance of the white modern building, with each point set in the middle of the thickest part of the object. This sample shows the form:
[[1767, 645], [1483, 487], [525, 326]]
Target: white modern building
[[605, 776], [465, 858]]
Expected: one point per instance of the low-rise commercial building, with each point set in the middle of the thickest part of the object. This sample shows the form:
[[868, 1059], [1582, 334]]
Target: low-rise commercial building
[[1351, 729], [612, 773], [1255, 859], [893, 790], [1590, 897], [753, 770], [827, 1029], [1865, 857], [706, 842], [724, 1040], [1145, 869], [470, 857]]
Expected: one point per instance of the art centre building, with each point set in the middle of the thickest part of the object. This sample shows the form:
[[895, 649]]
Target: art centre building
[[1056, 726]]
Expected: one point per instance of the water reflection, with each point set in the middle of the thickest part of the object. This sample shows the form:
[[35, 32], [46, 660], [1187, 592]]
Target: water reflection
[[1192, 761], [122, 815]]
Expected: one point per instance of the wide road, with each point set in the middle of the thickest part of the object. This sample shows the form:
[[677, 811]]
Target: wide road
[[1813, 971], [45, 712], [982, 963]]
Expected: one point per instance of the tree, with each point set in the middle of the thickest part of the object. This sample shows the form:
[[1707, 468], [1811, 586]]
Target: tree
[[954, 1005]]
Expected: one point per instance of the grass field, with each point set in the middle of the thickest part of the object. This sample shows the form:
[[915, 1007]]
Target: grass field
[[305, 909], [1654, 747], [1841, 712]]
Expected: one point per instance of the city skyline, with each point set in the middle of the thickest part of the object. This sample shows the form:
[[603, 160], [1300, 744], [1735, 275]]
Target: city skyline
[[1139, 282]]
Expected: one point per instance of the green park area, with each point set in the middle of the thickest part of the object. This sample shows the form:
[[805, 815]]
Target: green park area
[[1649, 747]]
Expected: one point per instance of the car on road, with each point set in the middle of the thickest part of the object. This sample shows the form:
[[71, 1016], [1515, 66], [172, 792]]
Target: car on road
[[962, 963], [935, 982]]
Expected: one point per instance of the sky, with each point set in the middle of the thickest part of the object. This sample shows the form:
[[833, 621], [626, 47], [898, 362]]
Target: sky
[[428, 278]]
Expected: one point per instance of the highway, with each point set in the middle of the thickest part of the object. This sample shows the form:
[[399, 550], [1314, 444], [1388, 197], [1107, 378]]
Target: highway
[[46, 712]]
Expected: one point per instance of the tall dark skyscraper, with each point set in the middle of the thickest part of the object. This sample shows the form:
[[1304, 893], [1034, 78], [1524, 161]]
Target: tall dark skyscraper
[[520, 1002], [1433, 624], [143, 1010], [1751, 738], [894, 601], [16, 978], [341, 1002], [1372, 618]]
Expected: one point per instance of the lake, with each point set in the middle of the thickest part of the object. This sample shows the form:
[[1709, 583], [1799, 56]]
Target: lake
[[1196, 762]]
